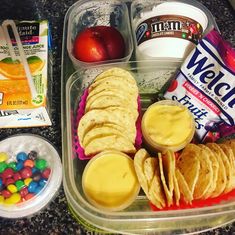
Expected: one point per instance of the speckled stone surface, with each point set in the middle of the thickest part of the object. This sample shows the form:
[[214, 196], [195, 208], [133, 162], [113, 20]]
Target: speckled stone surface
[[56, 219]]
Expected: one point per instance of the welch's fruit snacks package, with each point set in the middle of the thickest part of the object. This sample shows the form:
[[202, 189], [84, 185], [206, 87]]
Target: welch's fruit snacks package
[[205, 84]]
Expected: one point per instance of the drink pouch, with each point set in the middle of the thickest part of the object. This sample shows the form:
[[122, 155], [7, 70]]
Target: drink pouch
[[24, 99], [205, 84]]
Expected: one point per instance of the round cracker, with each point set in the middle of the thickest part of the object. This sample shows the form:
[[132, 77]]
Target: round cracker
[[183, 187], [103, 102], [100, 131], [114, 82], [231, 145], [176, 191], [222, 173], [215, 169], [168, 190], [153, 189], [152, 173], [140, 156], [229, 153], [150, 165], [97, 117], [112, 142], [112, 92], [189, 165], [205, 178], [124, 74]]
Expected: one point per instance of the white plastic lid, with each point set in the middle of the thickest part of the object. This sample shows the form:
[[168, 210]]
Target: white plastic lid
[[27, 143]]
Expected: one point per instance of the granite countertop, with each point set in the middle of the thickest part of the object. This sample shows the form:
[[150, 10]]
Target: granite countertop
[[56, 219]]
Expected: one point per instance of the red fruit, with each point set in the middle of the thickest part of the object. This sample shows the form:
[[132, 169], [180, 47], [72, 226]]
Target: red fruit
[[99, 43]]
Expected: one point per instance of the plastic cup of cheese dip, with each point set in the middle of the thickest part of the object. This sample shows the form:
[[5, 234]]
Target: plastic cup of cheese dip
[[167, 125], [168, 29], [109, 181]]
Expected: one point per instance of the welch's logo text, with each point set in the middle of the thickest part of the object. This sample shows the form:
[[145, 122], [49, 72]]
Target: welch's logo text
[[211, 76]]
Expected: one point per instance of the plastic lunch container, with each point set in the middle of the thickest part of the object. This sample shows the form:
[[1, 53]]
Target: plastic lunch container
[[90, 13], [138, 218], [26, 143]]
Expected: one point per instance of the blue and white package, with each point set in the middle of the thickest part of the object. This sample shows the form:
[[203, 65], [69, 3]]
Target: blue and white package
[[205, 84]]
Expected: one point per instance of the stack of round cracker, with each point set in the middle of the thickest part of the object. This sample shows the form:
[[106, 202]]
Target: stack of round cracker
[[156, 176], [200, 172], [111, 111], [208, 170]]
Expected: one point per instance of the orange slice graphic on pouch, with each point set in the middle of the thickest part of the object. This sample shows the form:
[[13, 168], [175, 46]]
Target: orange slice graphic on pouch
[[15, 70]]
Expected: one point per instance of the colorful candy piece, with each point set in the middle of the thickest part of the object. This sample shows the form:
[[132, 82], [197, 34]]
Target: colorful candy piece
[[42, 182], [22, 156], [12, 165], [38, 189], [8, 173], [17, 176], [29, 163], [27, 181], [24, 192], [5, 193], [1, 199], [34, 170], [29, 196], [9, 181], [46, 173], [19, 184], [32, 187], [1, 183], [41, 164], [33, 155], [37, 176], [12, 188], [26, 172], [3, 157], [3, 166], [19, 165], [13, 199]]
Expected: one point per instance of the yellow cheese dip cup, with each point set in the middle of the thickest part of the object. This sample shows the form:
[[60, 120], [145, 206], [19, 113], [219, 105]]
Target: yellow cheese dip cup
[[167, 125], [109, 181]]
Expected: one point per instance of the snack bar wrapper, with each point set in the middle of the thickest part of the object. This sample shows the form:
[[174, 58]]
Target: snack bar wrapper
[[205, 84]]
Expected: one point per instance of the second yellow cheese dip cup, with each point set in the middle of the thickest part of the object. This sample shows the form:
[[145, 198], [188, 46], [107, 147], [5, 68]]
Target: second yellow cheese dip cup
[[167, 125], [109, 181]]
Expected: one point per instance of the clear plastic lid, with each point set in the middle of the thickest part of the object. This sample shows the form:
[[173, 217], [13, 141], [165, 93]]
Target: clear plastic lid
[[26, 143]]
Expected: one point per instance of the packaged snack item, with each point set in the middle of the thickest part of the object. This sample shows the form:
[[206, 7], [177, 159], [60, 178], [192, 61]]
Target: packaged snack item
[[24, 50], [205, 84]]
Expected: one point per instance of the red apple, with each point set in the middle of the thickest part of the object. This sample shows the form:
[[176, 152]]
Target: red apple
[[99, 43]]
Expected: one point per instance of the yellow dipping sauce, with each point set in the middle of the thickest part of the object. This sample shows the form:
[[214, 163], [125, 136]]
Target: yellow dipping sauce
[[167, 124], [109, 181]]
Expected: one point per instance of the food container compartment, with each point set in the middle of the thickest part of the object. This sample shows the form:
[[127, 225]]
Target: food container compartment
[[85, 14], [166, 138], [138, 218], [26, 143], [169, 29]]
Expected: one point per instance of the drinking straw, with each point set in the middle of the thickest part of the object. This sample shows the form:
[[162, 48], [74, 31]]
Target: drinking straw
[[5, 25]]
